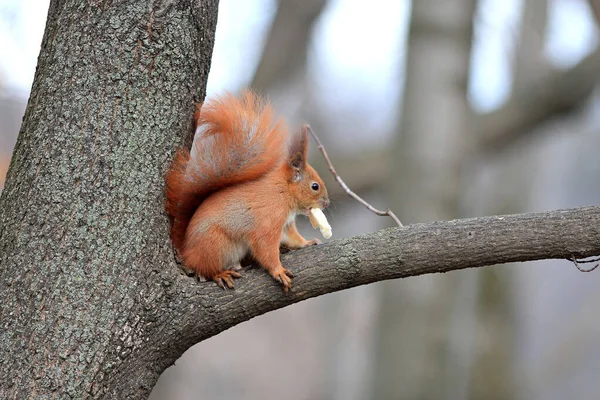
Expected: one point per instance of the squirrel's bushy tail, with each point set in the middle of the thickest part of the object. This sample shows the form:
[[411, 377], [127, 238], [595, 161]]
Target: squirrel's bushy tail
[[237, 140]]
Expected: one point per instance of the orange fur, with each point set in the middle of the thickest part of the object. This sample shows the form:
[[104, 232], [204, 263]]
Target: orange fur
[[223, 119], [239, 189], [4, 163]]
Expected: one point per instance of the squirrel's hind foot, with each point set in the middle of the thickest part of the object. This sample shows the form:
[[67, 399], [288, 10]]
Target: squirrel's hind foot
[[283, 276], [225, 278]]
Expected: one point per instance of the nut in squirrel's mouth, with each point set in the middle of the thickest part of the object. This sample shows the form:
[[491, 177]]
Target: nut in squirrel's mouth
[[319, 220], [306, 211]]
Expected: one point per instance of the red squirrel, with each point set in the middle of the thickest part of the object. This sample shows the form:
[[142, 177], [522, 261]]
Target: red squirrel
[[239, 189]]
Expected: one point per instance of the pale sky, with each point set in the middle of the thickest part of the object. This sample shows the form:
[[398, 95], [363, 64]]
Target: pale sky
[[369, 72]]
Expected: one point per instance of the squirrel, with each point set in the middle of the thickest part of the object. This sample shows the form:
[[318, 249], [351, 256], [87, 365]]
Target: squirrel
[[239, 189]]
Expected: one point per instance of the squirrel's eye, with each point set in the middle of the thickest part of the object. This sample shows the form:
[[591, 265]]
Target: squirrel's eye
[[315, 186]]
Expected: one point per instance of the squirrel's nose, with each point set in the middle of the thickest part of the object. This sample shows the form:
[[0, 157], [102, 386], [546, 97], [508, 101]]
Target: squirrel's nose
[[325, 203]]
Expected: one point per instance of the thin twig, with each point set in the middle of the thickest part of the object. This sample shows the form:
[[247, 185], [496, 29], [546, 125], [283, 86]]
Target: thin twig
[[591, 260], [577, 262], [388, 212]]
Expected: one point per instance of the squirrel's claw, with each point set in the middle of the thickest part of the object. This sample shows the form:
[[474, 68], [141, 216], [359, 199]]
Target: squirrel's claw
[[283, 276], [225, 278]]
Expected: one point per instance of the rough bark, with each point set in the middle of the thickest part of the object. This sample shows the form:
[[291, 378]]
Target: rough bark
[[85, 262], [201, 310]]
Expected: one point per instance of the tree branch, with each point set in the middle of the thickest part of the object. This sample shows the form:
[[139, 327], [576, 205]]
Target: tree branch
[[200, 310], [345, 187], [595, 7], [530, 62], [533, 104], [286, 46], [413, 250]]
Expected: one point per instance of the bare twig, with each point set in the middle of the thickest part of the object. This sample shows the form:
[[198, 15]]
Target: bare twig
[[577, 262], [388, 212]]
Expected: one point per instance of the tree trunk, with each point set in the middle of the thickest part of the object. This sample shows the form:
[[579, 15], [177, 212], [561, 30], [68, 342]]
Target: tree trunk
[[85, 260], [493, 363], [425, 186], [287, 44], [530, 63]]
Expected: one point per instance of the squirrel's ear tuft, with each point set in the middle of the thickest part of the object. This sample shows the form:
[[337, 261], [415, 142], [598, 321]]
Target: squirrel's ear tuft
[[299, 149], [297, 161]]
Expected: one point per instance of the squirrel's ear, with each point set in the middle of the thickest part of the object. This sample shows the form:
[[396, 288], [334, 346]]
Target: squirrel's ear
[[299, 149]]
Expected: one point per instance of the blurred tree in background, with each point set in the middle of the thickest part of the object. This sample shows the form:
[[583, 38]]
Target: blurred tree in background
[[425, 183]]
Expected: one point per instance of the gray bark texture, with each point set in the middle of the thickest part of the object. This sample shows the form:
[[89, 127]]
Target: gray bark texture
[[93, 302], [86, 267]]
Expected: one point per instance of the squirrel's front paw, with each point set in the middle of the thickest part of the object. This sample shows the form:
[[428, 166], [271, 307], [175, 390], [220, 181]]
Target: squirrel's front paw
[[314, 242], [283, 276]]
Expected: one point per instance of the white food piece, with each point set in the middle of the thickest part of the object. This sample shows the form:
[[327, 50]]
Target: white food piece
[[318, 219]]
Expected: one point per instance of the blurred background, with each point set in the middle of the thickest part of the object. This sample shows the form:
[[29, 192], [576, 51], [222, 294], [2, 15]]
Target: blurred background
[[438, 110]]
